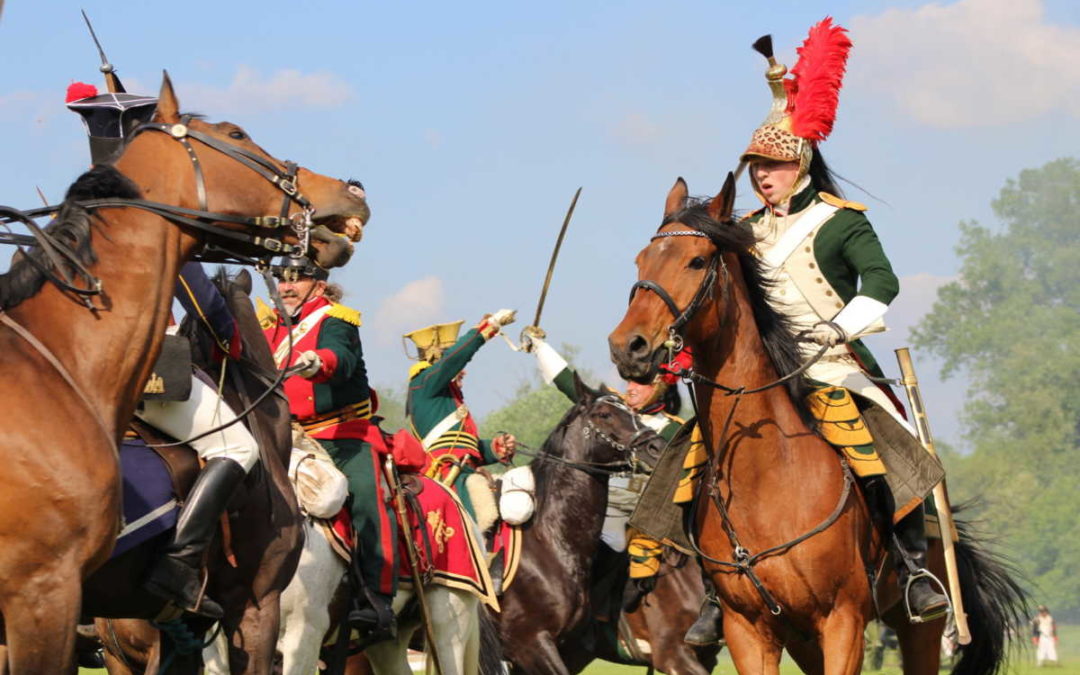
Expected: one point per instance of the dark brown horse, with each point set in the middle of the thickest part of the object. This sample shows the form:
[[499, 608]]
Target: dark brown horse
[[74, 375], [547, 623], [772, 479]]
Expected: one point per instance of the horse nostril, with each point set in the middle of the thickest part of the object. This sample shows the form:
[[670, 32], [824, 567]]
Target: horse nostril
[[638, 346]]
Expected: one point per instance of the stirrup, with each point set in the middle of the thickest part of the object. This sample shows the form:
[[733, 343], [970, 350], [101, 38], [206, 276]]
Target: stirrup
[[922, 573]]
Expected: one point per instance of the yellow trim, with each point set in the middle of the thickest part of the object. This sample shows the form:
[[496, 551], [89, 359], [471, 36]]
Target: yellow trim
[[346, 314], [266, 316], [833, 200], [222, 343], [436, 335], [417, 368]]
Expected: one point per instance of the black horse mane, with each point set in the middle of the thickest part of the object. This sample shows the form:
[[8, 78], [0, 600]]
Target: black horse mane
[[553, 445], [71, 227], [775, 328]]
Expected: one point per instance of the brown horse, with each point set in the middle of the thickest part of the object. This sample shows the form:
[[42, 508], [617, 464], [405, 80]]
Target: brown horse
[[74, 374], [789, 543]]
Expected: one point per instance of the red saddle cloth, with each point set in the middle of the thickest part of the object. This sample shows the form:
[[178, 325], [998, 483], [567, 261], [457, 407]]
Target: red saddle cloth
[[447, 542], [508, 541]]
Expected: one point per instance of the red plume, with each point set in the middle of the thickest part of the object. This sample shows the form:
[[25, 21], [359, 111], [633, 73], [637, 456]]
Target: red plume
[[814, 91], [80, 90]]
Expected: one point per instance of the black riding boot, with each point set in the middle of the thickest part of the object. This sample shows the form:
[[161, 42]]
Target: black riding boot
[[176, 577], [925, 603], [375, 617], [708, 629]]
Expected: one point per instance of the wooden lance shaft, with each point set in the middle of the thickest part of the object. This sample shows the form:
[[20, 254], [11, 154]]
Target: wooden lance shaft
[[941, 499], [414, 560]]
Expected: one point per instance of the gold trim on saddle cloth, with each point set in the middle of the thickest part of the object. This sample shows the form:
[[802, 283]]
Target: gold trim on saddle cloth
[[644, 555], [842, 425], [693, 466], [361, 411]]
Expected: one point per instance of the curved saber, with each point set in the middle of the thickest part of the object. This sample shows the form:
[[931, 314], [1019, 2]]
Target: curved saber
[[554, 258]]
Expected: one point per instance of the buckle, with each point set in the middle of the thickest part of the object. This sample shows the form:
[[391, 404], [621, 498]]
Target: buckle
[[269, 222], [287, 186], [273, 245]]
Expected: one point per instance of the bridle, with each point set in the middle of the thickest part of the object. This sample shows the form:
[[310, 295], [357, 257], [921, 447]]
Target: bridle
[[62, 257], [590, 430], [704, 291]]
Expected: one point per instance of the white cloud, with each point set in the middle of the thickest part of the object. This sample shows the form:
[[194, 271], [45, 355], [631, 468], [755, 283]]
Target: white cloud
[[251, 92], [969, 63], [416, 304]]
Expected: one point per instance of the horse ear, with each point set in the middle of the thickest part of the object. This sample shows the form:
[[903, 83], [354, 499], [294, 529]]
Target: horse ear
[[243, 280], [168, 109], [723, 203], [582, 390], [676, 198]]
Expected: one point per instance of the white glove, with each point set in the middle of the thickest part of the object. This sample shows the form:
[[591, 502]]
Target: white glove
[[503, 317], [308, 364], [826, 334], [531, 335]]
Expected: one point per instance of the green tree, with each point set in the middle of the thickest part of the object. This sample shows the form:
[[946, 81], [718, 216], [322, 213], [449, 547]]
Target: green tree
[[391, 407], [1011, 323]]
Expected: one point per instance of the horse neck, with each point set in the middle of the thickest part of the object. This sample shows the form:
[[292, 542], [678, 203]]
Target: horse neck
[[110, 352], [738, 358], [577, 518]]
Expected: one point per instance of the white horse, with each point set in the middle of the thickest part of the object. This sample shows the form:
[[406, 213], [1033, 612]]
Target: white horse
[[306, 620]]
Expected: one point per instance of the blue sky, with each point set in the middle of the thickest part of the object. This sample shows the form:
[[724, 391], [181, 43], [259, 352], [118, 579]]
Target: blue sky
[[471, 124]]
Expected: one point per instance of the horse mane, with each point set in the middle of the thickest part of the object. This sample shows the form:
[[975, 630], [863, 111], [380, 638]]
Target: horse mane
[[71, 227], [776, 330]]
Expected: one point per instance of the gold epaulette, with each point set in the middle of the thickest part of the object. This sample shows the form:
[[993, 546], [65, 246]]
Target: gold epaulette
[[833, 200], [346, 314], [266, 316], [750, 215], [417, 368]]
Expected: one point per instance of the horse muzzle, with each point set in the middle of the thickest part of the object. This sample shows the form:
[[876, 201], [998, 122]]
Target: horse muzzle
[[635, 357]]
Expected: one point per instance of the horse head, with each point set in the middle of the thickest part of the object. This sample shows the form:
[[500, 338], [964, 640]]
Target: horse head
[[675, 299], [603, 433], [217, 167]]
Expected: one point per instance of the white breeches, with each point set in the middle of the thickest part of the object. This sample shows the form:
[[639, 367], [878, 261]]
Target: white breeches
[[203, 410], [621, 503], [1047, 649]]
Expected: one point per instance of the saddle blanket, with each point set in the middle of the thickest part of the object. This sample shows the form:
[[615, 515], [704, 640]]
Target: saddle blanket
[[447, 545], [508, 541], [149, 505]]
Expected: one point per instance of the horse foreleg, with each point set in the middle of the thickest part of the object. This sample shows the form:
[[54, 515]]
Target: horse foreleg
[[252, 643], [456, 629], [842, 641], [305, 603], [41, 613], [751, 651], [541, 657], [920, 643]]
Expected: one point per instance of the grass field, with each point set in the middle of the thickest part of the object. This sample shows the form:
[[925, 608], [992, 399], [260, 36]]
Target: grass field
[[1023, 663]]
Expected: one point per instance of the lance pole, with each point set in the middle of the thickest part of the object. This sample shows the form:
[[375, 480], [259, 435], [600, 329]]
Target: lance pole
[[414, 560], [941, 497]]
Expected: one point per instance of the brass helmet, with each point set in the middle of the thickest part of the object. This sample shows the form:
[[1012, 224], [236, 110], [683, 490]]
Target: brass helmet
[[430, 341], [804, 105]]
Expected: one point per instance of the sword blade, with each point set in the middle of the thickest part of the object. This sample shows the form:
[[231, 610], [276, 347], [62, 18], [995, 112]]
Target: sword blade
[[111, 80], [554, 258]]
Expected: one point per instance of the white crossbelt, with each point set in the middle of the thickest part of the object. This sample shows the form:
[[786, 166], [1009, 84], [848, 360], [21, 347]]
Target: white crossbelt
[[790, 240], [444, 425], [298, 332]]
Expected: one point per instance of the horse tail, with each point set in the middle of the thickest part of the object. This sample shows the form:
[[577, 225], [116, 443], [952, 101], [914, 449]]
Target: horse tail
[[996, 605], [490, 645]]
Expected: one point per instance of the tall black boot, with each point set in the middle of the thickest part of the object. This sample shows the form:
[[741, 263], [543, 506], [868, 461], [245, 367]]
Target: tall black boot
[[925, 603], [708, 629], [176, 576]]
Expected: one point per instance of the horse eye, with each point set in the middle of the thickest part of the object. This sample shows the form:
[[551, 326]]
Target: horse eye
[[237, 134], [697, 263]]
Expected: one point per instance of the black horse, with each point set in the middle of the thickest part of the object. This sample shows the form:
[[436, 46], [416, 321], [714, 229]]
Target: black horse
[[547, 623]]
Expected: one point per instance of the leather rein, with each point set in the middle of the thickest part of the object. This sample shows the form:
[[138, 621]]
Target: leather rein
[[744, 561]]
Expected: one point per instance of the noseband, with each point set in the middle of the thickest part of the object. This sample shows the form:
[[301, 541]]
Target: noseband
[[705, 291]]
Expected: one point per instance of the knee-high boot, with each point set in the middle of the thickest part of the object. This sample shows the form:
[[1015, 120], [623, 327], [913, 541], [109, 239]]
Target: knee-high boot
[[176, 576], [708, 629], [925, 603]]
